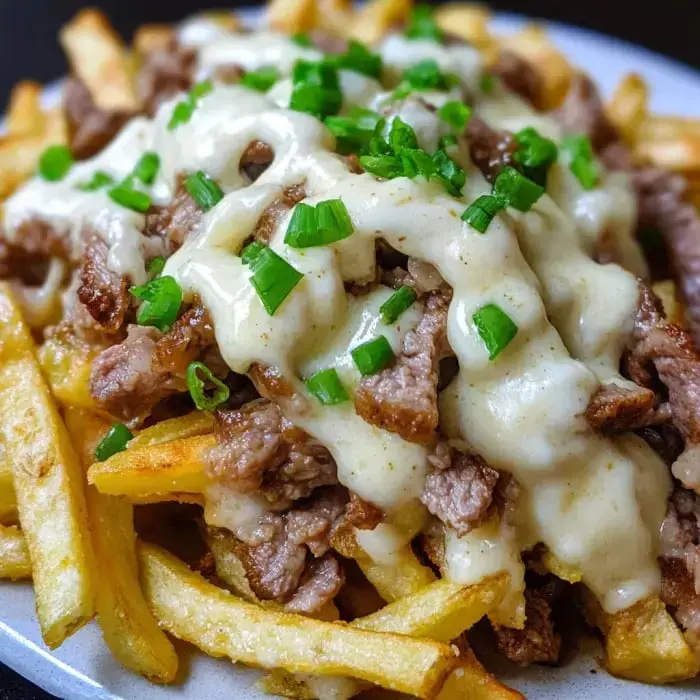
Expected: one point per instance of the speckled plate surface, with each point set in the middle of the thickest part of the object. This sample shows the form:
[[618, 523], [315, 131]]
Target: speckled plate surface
[[83, 667]]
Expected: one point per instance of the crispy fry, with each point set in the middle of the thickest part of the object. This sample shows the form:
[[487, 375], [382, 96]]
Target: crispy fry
[[292, 16], [99, 58], [334, 16], [377, 17], [560, 569], [24, 113], [195, 423], [628, 106], [470, 22], [681, 153], [152, 37], [8, 501], [48, 484], [14, 558], [222, 625]]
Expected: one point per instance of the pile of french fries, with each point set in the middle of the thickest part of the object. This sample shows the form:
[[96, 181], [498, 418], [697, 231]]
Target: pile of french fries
[[68, 523]]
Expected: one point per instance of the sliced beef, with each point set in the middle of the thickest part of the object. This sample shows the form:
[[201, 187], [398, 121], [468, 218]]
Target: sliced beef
[[256, 159], [273, 215], [420, 275], [320, 584], [490, 149], [680, 533], [183, 344], [665, 440], [518, 76], [459, 489], [229, 74], [175, 221], [403, 397], [680, 594], [164, 73], [615, 409], [90, 127], [34, 241]]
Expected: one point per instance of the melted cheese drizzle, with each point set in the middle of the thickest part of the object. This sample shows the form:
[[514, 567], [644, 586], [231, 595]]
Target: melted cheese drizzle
[[596, 503]]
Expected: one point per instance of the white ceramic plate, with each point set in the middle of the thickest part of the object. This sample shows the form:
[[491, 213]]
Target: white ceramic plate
[[83, 667]]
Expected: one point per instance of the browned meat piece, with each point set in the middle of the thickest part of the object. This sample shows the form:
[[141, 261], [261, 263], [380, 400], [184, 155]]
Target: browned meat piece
[[175, 221], [314, 524], [90, 127], [420, 275], [229, 74], [164, 73], [459, 489], [184, 342], [273, 215], [519, 76], [320, 584], [104, 293], [680, 533], [665, 440], [255, 159], [362, 515], [490, 149], [403, 397], [678, 592], [616, 409], [538, 642], [258, 450], [36, 239]]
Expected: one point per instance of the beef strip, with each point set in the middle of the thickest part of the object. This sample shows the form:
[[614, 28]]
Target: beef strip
[[678, 592], [273, 215], [518, 76], [420, 275], [490, 149], [403, 397], [320, 583], [616, 409], [175, 221], [90, 128], [680, 532], [256, 159], [459, 489]]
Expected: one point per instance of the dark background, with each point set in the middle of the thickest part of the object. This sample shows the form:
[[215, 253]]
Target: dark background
[[29, 49]]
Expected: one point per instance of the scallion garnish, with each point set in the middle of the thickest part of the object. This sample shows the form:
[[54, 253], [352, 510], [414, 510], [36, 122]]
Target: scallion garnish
[[261, 80], [155, 267], [302, 39], [327, 387], [401, 135], [114, 441], [517, 190], [422, 24], [384, 166], [416, 162], [130, 198], [326, 223], [55, 162], [162, 298], [273, 278], [251, 251], [447, 141], [425, 75], [98, 180], [582, 162], [479, 214], [360, 59], [535, 154], [373, 356], [147, 168], [184, 109], [196, 386], [205, 191], [316, 88], [396, 304], [495, 327], [456, 114], [350, 137], [451, 174], [487, 83]]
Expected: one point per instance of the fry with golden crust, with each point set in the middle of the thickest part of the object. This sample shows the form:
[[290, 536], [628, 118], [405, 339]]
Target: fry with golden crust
[[14, 558], [24, 113], [628, 106], [374, 19], [190, 425], [292, 16], [8, 501]]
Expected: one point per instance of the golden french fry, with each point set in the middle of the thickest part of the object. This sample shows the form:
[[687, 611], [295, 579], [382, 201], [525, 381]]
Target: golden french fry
[[99, 58], [48, 484], [152, 37], [8, 501], [655, 128], [128, 627], [377, 17], [467, 21], [229, 568], [24, 113], [292, 16], [681, 153], [222, 625], [224, 18], [628, 106], [195, 423], [14, 558], [561, 570], [334, 16]]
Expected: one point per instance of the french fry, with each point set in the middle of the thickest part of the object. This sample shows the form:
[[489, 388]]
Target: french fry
[[680, 154], [128, 627], [14, 558], [8, 501], [334, 16], [292, 16], [222, 625], [152, 37], [99, 58], [628, 106], [195, 423], [561, 570], [377, 17], [48, 484], [24, 113], [467, 21]]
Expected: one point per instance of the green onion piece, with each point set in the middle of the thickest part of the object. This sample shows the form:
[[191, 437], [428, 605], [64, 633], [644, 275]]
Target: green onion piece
[[98, 180], [401, 135], [261, 80], [583, 163], [378, 145], [114, 441], [132, 199], [273, 279], [155, 267], [251, 251], [517, 190], [495, 328], [196, 387], [55, 162], [201, 89], [326, 223], [447, 141], [487, 83], [184, 109], [373, 356], [301, 230], [396, 304], [426, 75], [479, 214], [316, 89], [350, 138], [456, 114], [302, 39], [147, 168], [327, 387], [364, 118], [415, 162], [535, 154], [360, 59], [422, 24], [385, 166], [451, 174], [162, 298], [205, 191]]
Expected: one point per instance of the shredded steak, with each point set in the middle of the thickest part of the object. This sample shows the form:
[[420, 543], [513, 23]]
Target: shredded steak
[[678, 592], [273, 215], [615, 409], [519, 76], [490, 149], [680, 532], [175, 221], [164, 73], [322, 580], [256, 159]]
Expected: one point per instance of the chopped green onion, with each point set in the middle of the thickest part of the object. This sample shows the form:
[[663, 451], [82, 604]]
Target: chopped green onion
[[487, 83], [396, 304], [326, 223], [364, 118], [162, 298], [535, 154], [455, 113], [401, 135], [447, 141], [316, 89], [130, 198], [147, 168], [373, 356], [378, 145], [583, 163], [184, 109], [360, 59], [350, 137], [415, 162], [517, 190], [327, 387], [273, 279], [196, 387], [426, 75], [479, 214], [251, 251], [201, 89], [451, 174], [114, 441], [205, 191], [384, 166], [55, 162], [155, 267], [495, 327], [261, 80], [422, 24], [302, 39], [98, 180]]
